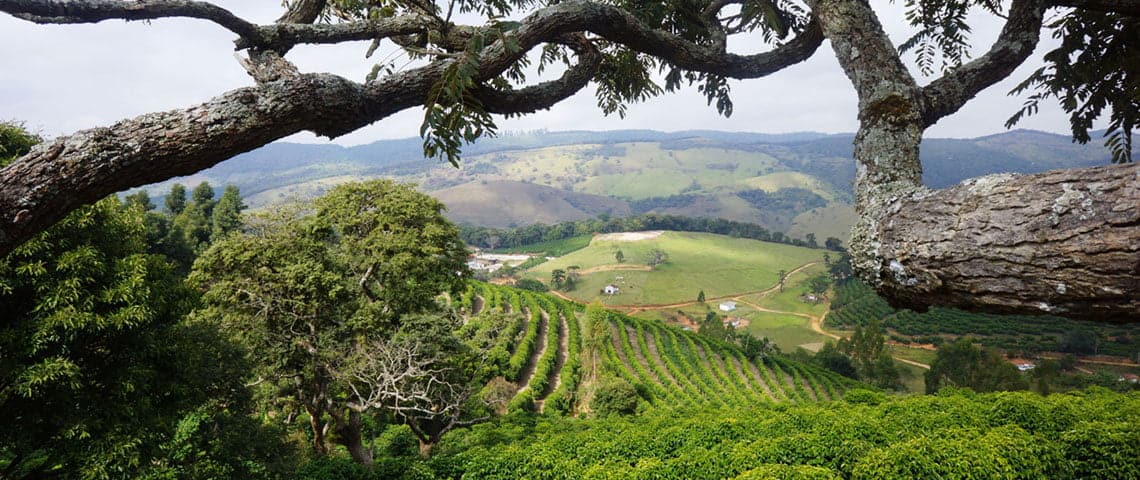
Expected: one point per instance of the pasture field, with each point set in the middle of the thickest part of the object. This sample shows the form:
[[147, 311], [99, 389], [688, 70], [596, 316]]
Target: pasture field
[[719, 265]]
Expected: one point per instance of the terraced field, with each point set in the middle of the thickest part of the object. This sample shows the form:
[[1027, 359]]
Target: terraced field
[[536, 342]]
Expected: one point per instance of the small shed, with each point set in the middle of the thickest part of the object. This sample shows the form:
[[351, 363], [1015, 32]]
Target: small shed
[[727, 306], [611, 290]]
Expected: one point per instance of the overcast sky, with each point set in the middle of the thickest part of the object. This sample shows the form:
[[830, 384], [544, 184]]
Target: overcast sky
[[61, 78]]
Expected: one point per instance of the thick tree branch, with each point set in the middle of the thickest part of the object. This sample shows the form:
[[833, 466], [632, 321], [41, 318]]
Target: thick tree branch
[[58, 176], [1060, 242], [94, 11], [1016, 42]]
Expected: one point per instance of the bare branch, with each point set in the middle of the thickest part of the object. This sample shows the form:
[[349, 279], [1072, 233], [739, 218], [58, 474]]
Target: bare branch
[[94, 11], [1016, 42]]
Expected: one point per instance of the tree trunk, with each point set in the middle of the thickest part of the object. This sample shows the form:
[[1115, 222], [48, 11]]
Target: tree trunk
[[350, 435], [426, 448], [1063, 242], [319, 446]]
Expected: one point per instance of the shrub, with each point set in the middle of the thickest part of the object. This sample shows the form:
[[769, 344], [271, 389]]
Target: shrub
[[614, 396]]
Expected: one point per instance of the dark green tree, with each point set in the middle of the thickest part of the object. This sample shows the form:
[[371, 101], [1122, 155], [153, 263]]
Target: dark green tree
[[176, 199], [15, 141], [619, 256], [98, 375], [831, 358], [962, 364], [319, 296], [701, 296], [203, 198], [226, 216], [557, 278], [140, 198]]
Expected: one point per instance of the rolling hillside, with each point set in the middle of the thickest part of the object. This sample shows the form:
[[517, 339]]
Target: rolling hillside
[[715, 264], [796, 183]]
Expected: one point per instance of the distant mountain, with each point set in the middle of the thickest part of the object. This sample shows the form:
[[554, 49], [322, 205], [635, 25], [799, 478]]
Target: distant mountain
[[796, 182]]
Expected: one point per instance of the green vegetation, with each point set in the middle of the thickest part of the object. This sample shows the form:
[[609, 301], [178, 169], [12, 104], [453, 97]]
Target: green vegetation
[[718, 265], [856, 304], [957, 434], [550, 248]]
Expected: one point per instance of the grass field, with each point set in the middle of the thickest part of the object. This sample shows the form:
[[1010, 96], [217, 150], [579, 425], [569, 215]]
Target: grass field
[[834, 220], [717, 264]]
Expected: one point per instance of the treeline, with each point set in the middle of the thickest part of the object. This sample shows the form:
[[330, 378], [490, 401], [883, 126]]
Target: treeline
[[487, 237], [855, 304]]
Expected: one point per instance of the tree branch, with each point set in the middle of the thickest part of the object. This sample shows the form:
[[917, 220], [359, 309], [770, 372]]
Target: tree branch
[[1060, 242], [284, 36], [40, 188], [94, 11], [303, 11], [547, 94], [1016, 42]]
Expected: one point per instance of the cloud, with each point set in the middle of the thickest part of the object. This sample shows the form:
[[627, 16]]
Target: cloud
[[64, 78]]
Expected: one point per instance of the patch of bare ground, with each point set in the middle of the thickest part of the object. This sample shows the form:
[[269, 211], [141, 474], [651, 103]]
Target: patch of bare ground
[[532, 362], [631, 333]]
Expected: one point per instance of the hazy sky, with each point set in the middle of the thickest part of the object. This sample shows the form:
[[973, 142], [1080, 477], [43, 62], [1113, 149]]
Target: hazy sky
[[61, 78]]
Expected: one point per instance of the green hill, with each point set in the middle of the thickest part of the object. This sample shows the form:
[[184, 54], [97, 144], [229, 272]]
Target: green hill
[[716, 264]]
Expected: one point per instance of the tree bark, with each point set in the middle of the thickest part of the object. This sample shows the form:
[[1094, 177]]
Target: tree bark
[[350, 434], [1061, 242]]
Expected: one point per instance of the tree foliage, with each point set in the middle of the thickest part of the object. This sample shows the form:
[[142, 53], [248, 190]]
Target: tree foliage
[[965, 365], [332, 302]]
